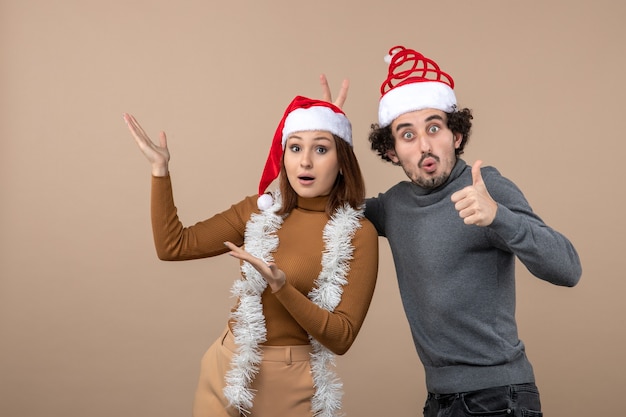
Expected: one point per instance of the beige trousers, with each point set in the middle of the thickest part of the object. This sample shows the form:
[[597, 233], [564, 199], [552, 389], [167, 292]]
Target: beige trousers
[[283, 385]]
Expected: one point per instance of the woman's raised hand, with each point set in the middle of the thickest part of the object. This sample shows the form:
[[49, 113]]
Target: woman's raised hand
[[327, 96], [157, 155]]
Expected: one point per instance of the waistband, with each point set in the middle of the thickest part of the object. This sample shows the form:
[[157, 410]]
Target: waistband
[[287, 354], [464, 378]]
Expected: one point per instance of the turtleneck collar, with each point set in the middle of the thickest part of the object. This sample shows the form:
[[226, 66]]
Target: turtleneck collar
[[313, 204]]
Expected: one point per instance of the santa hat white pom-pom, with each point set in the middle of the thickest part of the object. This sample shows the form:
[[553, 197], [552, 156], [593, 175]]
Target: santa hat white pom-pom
[[264, 202]]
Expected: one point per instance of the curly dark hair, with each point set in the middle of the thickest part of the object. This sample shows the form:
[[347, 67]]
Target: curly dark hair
[[460, 121]]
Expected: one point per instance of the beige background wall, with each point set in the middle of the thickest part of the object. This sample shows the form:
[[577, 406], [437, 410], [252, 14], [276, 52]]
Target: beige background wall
[[92, 324]]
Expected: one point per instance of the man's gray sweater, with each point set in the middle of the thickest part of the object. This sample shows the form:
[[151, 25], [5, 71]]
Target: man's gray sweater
[[457, 281]]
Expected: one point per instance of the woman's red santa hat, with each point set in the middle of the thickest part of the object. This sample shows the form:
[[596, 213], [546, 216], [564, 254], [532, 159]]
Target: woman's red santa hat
[[302, 114], [413, 82]]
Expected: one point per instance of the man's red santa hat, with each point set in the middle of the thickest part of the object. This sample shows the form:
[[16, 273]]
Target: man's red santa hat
[[413, 82], [302, 114]]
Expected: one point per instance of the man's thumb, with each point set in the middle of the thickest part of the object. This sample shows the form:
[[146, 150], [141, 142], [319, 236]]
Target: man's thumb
[[477, 177]]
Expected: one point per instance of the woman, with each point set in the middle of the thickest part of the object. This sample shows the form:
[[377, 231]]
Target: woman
[[308, 258]]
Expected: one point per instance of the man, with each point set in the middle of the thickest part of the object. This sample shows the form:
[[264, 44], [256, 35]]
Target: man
[[454, 232]]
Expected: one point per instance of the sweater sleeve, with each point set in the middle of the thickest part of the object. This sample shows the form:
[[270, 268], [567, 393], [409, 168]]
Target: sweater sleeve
[[546, 253], [175, 242], [375, 213], [338, 329]]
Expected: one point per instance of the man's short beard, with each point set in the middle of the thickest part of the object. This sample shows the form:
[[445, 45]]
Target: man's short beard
[[427, 183], [434, 182]]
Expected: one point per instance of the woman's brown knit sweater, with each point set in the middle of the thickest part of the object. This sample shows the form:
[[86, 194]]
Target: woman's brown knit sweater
[[289, 314]]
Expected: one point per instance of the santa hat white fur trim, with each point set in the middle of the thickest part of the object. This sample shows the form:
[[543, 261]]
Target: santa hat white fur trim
[[415, 96], [317, 118]]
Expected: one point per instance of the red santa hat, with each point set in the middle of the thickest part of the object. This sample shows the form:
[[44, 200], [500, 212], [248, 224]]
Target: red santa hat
[[413, 82], [302, 114]]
